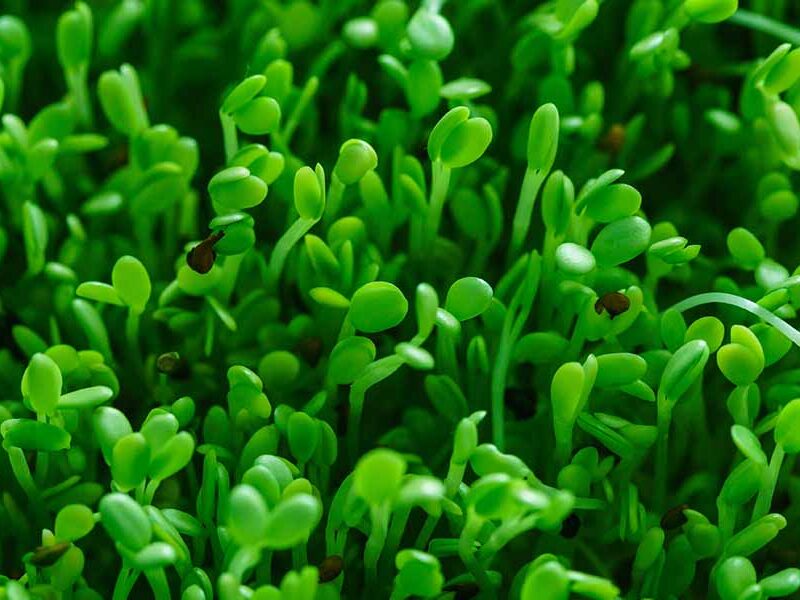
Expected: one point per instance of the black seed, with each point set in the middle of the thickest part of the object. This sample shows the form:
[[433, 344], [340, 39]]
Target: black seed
[[330, 567], [46, 556], [201, 258], [674, 517], [570, 526], [615, 303], [171, 363], [464, 591]]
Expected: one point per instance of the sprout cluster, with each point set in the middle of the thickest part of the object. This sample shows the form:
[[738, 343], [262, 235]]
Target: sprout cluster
[[308, 300]]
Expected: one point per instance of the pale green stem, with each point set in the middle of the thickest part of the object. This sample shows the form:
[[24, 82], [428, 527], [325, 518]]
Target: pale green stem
[[42, 458], [308, 93], [426, 532], [132, 336], [466, 552], [379, 516], [76, 83], [22, 472], [662, 456], [396, 529], [125, 581], [503, 535], [158, 582], [299, 556], [764, 499], [439, 186], [230, 137], [285, 244], [759, 311], [335, 197], [531, 184], [455, 475], [764, 24]]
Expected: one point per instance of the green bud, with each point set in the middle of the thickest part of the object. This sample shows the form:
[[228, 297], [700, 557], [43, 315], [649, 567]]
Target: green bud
[[121, 99], [378, 475], [742, 360], [309, 200], [235, 189], [27, 434], [172, 457], [356, 158], [73, 522], [42, 384], [349, 358], [243, 93], [424, 82], [132, 283], [292, 521], [125, 521], [574, 259], [543, 138], [466, 143], [619, 369], [74, 37], [782, 583], [748, 444], [742, 484], [682, 370], [557, 199], [709, 329], [247, 516], [465, 441], [278, 369], [430, 35], [649, 549], [377, 306], [468, 297], [784, 74], [621, 241], [787, 429], [109, 425], [755, 536], [129, 461], [303, 436], [710, 11], [612, 202], [419, 574], [259, 116], [443, 128]]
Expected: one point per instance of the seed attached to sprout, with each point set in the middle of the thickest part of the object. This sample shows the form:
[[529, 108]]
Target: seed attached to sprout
[[615, 303], [201, 258], [330, 567]]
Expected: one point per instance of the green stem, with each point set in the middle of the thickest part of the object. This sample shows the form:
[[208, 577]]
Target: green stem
[[285, 244], [522, 216], [466, 552], [455, 475], [335, 197], [764, 499], [498, 389], [764, 24], [379, 515], [42, 459], [158, 582], [426, 532], [76, 83], [396, 530], [662, 449], [308, 93], [132, 336], [299, 556], [230, 137], [125, 581], [22, 472], [503, 535], [753, 308], [439, 186]]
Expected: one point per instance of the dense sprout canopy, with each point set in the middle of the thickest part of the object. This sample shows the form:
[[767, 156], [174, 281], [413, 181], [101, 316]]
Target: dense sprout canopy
[[321, 299]]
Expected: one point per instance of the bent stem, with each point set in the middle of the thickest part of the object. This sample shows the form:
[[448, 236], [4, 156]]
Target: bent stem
[[767, 489], [125, 581], [158, 582], [335, 197]]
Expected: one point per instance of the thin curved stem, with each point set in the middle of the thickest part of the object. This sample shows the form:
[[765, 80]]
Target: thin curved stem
[[745, 304], [763, 24]]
